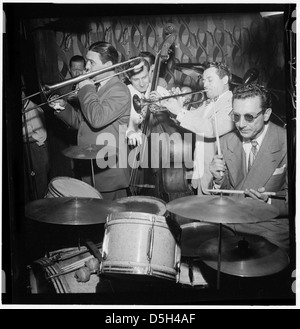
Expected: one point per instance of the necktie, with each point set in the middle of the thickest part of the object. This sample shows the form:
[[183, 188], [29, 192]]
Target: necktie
[[252, 154]]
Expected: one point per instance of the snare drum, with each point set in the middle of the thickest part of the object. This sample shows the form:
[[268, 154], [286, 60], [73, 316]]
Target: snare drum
[[68, 187], [139, 246], [56, 274], [145, 204]]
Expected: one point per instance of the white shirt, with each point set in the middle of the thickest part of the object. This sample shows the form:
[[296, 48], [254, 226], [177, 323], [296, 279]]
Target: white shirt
[[35, 123]]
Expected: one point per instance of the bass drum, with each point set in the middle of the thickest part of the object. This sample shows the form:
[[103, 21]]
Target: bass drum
[[71, 187], [139, 246], [56, 274]]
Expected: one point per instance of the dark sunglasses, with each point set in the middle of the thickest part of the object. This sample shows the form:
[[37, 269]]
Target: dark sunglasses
[[235, 117]]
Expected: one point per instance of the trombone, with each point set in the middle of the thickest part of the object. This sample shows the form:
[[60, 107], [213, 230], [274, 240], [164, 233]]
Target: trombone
[[48, 89]]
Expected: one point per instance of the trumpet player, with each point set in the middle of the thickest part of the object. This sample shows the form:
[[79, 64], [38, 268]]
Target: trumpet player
[[201, 121]]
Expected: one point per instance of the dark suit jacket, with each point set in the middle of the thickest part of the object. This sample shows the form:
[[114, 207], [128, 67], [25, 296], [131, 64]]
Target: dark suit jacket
[[103, 113], [269, 169]]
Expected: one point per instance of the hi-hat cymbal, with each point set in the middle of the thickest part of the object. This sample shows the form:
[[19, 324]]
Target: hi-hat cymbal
[[248, 256], [226, 210], [71, 211], [90, 151], [196, 233]]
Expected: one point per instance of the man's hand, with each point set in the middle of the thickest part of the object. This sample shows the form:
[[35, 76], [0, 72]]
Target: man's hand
[[257, 195], [57, 104], [174, 105], [134, 138]]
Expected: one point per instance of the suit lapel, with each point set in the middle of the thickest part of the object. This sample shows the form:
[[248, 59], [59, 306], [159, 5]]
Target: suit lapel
[[266, 161], [235, 159]]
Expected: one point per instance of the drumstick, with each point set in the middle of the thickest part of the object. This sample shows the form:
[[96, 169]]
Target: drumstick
[[278, 194], [217, 135]]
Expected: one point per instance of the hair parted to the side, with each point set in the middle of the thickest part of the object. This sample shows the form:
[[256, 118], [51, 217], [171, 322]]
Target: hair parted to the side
[[132, 73], [252, 90], [106, 51], [222, 69]]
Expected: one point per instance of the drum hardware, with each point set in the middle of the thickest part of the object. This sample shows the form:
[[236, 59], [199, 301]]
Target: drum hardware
[[71, 211], [150, 243], [64, 254], [245, 256], [88, 152], [222, 210]]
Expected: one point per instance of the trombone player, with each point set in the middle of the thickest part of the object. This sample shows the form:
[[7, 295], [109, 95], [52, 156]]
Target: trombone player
[[104, 110]]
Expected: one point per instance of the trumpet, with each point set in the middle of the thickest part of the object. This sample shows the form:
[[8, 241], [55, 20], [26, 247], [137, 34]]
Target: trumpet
[[49, 89], [139, 103]]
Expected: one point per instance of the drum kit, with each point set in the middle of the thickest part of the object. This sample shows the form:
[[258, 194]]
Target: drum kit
[[147, 239]]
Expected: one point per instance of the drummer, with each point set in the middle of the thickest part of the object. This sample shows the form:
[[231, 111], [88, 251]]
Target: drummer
[[254, 159]]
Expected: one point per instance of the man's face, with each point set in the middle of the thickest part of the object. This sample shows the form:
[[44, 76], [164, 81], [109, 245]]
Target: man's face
[[214, 85], [76, 69], [141, 80], [250, 130], [94, 63]]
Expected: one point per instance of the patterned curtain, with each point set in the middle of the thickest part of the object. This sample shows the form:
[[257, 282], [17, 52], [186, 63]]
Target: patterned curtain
[[242, 41]]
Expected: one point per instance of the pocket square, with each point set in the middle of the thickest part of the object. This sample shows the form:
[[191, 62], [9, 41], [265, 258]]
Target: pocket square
[[280, 170]]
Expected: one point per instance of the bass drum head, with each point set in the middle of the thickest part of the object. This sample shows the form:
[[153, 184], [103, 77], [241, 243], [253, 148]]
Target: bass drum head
[[71, 187], [145, 204]]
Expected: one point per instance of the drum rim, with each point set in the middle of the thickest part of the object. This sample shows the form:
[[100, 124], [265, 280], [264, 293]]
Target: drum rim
[[114, 216], [75, 180]]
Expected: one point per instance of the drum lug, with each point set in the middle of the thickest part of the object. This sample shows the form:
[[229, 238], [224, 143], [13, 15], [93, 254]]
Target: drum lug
[[177, 268], [150, 242], [104, 255]]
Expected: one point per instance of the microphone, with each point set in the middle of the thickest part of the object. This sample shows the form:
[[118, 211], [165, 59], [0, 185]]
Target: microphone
[[250, 76]]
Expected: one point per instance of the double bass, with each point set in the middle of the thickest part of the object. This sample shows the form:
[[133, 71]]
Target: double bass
[[165, 155]]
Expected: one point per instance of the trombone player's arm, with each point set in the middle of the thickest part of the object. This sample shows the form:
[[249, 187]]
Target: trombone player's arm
[[68, 115]]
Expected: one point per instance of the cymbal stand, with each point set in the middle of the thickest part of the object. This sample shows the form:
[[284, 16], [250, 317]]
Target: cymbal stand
[[219, 256]]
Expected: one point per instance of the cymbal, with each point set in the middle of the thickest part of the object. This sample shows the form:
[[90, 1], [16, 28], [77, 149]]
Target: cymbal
[[89, 151], [220, 209], [71, 211], [196, 233], [248, 256]]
